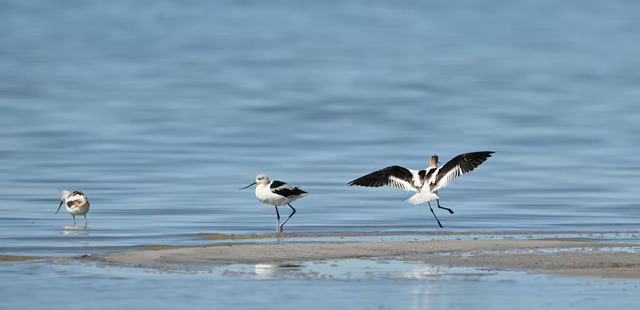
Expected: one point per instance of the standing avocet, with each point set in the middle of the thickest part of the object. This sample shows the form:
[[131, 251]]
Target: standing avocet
[[76, 204], [426, 182], [276, 193]]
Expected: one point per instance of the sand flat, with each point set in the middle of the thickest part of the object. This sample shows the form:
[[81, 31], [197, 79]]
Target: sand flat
[[564, 256]]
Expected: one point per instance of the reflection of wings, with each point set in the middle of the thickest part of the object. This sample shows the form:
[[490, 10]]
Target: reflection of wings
[[394, 176], [456, 167]]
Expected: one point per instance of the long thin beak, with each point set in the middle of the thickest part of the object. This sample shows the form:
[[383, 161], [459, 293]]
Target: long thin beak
[[60, 206], [252, 184]]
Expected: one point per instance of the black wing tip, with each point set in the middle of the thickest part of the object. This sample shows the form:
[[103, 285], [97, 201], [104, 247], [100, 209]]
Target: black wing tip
[[482, 154], [359, 182], [365, 180], [487, 154], [362, 181], [298, 192], [380, 177], [354, 182], [477, 157]]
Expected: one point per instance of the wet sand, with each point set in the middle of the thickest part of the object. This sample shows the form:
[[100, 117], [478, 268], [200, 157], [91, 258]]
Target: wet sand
[[549, 255]]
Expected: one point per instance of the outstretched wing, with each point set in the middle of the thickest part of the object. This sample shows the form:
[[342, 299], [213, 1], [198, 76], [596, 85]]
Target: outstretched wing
[[394, 176], [456, 167], [284, 189]]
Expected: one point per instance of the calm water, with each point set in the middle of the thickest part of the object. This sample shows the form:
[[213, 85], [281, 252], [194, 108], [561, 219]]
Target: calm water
[[161, 111], [352, 284]]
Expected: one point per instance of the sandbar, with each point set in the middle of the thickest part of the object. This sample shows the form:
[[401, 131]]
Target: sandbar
[[548, 255]]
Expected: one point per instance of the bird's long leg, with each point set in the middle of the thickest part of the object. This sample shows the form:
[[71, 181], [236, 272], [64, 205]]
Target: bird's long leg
[[85, 220], [434, 215], [441, 207], [74, 220], [290, 215], [278, 229]]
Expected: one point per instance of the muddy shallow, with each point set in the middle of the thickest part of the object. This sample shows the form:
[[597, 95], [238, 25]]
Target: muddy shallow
[[356, 271], [562, 254]]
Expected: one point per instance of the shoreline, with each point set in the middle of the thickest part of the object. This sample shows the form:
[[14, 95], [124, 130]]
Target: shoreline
[[569, 256], [583, 253]]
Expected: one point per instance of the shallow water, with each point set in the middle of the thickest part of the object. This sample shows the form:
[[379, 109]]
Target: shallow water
[[353, 284], [160, 112]]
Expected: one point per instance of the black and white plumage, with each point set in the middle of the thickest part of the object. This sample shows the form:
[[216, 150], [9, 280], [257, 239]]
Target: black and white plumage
[[76, 203], [426, 182], [276, 193]]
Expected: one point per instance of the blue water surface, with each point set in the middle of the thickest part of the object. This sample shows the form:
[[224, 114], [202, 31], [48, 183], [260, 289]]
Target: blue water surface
[[159, 111]]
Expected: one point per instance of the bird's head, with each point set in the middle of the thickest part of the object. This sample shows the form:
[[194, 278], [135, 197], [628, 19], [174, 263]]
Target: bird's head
[[63, 196], [434, 160], [260, 179]]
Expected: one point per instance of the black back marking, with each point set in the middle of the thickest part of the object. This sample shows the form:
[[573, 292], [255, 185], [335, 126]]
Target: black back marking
[[285, 190]]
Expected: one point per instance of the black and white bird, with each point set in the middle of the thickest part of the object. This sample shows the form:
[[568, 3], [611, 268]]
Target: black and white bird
[[426, 182], [76, 203], [276, 193]]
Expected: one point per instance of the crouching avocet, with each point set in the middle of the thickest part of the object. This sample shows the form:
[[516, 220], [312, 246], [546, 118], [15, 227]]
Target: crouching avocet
[[76, 204], [426, 182], [276, 193]]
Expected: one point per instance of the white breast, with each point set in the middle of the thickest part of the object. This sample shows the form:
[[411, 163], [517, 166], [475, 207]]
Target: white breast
[[264, 194]]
